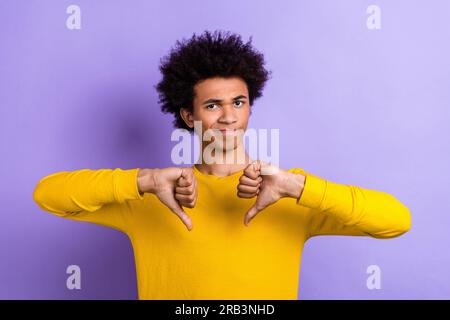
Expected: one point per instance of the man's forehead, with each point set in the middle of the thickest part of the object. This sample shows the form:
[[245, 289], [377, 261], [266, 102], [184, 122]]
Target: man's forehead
[[220, 88]]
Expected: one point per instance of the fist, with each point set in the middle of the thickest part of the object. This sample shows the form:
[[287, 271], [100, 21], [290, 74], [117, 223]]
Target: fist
[[268, 184], [175, 188]]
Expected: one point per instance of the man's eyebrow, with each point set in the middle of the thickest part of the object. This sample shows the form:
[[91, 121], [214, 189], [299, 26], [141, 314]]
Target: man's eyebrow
[[220, 100]]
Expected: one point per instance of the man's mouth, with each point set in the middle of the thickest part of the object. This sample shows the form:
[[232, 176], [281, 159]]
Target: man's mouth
[[228, 131]]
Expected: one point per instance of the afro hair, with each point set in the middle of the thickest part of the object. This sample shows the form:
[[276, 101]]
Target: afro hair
[[217, 54]]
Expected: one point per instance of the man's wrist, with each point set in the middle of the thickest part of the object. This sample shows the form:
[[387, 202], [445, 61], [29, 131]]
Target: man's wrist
[[294, 185], [146, 180]]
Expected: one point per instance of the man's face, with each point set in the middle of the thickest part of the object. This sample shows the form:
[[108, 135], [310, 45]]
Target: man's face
[[221, 103]]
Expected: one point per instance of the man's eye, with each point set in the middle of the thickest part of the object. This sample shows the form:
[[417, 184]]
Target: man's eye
[[241, 103], [210, 105]]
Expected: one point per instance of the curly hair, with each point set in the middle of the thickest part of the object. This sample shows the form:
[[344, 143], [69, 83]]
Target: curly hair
[[217, 54]]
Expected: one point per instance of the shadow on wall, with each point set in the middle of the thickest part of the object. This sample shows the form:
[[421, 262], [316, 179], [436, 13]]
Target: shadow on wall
[[109, 126], [118, 126]]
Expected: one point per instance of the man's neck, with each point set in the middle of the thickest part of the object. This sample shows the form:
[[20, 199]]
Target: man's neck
[[226, 169]]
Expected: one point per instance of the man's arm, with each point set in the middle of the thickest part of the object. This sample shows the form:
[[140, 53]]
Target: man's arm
[[95, 196], [100, 196], [335, 209], [338, 209]]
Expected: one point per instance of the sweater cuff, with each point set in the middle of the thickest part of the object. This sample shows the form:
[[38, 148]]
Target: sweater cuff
[[313, 192], [125, 185]]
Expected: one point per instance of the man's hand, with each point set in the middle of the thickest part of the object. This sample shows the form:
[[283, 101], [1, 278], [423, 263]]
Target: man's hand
[[174, 187], [269, 184]]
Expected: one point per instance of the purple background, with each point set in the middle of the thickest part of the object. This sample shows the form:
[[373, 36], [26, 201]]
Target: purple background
[[355, 106]]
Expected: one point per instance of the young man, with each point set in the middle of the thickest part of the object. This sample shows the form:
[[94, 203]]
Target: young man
[[214, 79]]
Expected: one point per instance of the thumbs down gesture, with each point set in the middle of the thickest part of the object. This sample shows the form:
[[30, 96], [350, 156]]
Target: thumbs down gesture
[[268, 184]]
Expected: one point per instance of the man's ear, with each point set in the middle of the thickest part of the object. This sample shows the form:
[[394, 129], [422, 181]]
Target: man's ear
[[187, 116]]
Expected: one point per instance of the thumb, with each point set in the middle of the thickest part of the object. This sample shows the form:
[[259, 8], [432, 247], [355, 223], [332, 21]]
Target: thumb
[[251, 213], [176, 208], [255, 209]]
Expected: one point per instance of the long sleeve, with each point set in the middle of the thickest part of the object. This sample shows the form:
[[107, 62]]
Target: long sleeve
[[95, 196], [338, 209]]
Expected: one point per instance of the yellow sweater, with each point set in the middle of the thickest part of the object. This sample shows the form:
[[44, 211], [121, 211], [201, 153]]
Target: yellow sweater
[[220, 258]]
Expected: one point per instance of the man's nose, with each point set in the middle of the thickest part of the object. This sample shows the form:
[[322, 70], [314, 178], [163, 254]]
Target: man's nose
[[228, 115]]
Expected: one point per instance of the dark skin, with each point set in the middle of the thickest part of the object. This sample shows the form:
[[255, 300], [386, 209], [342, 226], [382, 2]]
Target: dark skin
[[221, 103]]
